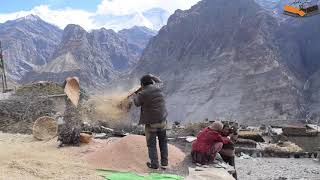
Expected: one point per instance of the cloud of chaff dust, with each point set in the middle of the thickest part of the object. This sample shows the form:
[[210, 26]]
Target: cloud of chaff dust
[[112, 105]]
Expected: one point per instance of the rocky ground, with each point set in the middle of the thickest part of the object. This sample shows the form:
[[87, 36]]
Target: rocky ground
[[22, 157], [277, 169], [265, 168]]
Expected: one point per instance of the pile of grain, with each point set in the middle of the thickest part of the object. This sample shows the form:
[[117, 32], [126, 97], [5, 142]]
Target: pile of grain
[[129, 154]]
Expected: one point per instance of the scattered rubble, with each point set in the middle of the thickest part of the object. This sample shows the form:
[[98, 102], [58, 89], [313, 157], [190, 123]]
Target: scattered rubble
[[245, 156], [277, 168]]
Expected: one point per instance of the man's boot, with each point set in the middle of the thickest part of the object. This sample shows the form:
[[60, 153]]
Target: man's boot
[[152, 166]]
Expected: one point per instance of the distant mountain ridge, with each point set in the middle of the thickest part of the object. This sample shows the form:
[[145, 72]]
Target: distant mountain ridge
[[35, 50], [27, 43]]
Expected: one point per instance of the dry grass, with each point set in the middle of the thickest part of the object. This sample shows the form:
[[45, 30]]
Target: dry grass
[[39, 89], [286, 147], [249, 133]]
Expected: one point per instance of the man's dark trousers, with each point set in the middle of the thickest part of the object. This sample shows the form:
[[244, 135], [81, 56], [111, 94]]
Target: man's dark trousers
[[151, 137]]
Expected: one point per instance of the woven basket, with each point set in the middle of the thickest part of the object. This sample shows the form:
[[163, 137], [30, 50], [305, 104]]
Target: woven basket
[[45, 128]]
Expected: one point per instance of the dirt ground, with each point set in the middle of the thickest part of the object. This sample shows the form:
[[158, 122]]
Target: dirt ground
[[277, 169], [23, 158]]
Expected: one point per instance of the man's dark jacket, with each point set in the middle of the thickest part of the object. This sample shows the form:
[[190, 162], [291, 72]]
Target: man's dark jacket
[[153, 108]]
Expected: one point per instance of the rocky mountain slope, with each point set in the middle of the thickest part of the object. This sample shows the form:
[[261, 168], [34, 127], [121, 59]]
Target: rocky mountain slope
[[35, 50], [304, 32], [27, 43], [96, 57], [233, 60]]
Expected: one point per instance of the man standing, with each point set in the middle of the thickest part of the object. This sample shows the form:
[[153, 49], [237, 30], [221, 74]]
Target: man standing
[[153, 116]]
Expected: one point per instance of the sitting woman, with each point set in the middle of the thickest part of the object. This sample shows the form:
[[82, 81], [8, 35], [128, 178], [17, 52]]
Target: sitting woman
[[209, 142]]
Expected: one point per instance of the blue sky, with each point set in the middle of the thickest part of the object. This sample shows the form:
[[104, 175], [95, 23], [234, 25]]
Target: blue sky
[[93, 14], [9, 6]]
